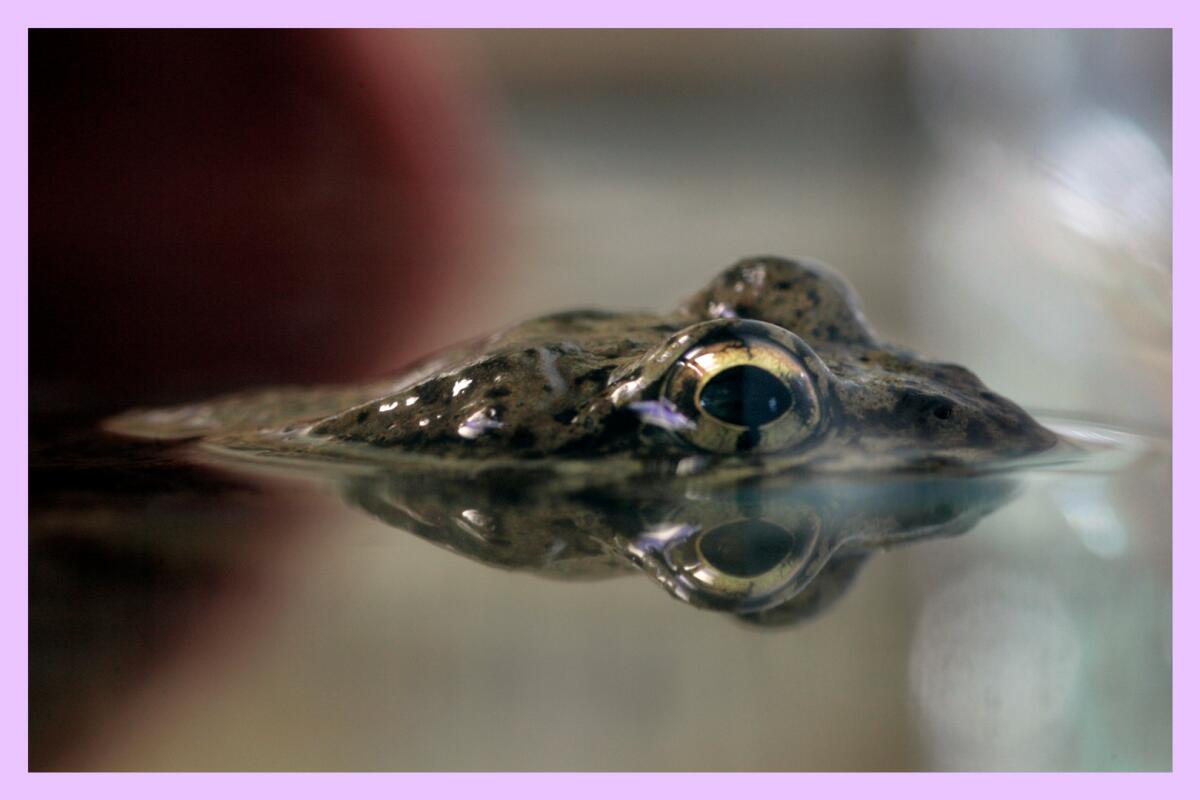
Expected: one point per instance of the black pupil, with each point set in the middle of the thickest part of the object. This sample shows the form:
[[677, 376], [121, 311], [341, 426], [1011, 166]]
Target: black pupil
[[746, 548], [745, 395]]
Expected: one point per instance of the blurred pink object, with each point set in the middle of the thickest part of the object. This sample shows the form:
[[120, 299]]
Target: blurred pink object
[[213, 209]]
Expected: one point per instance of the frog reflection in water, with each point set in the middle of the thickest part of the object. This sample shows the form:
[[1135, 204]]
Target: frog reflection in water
[[772, 363], [769, 550]]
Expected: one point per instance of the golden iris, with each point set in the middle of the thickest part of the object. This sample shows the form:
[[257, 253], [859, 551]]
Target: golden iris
[[744, 393]]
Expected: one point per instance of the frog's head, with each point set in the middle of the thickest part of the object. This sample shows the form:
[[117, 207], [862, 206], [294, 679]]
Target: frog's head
[[772, 359], [783, 361]]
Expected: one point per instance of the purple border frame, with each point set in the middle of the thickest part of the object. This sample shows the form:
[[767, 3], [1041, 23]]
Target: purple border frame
[[21, 15]]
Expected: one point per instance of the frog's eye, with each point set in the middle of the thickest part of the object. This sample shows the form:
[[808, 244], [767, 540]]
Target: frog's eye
[[747, 391]]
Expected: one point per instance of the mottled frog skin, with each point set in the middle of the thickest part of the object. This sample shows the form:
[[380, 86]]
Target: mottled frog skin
[[771, 361]]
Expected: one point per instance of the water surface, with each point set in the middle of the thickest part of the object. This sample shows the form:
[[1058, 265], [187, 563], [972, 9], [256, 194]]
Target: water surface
[[188, 612]]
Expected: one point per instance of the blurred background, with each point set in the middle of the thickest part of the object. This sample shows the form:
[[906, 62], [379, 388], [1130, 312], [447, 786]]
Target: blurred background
[[214, 209], [211, 210]]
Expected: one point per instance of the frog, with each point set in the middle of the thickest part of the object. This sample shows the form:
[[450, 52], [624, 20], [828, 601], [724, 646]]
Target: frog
[[772, 364]]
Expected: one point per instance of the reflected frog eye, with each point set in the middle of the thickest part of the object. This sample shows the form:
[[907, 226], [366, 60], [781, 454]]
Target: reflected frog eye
[[746, 391], [746, 563], [746, 548]]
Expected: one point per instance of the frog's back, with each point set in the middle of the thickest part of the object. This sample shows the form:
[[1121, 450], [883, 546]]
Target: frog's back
[[538, 364], [532, 390]]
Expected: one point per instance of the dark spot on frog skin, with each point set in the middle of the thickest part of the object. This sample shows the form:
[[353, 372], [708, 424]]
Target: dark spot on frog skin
[[523, 439], [1009, 424], [916, 412], [914, 406], [502, 364], [617, 428], [597, 375], [565, 417], [499, 391], [978, 434], [362, 416]]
